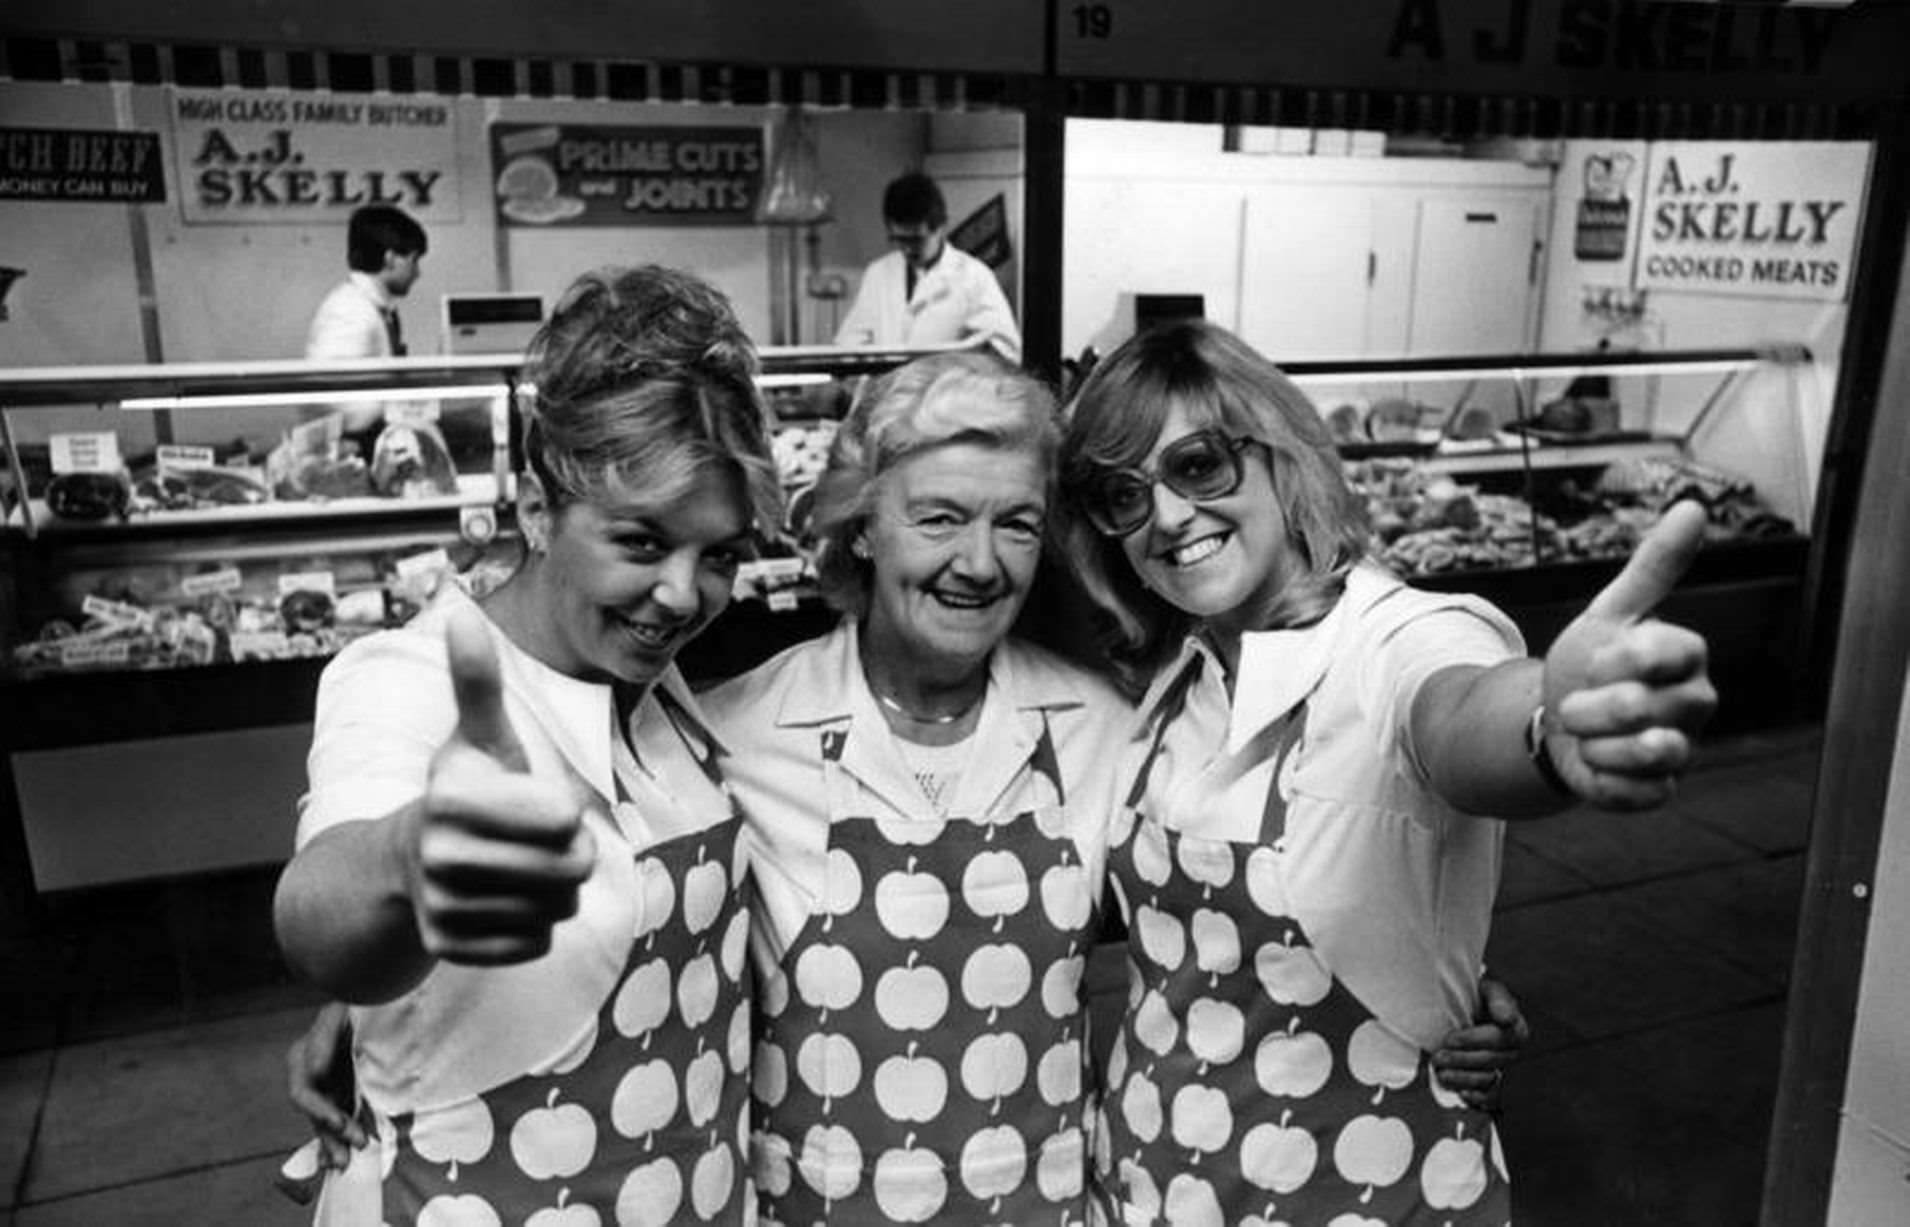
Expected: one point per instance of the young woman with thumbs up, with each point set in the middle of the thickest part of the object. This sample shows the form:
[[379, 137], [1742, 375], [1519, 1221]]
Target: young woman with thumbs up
[[516, 857], [1303, 858]]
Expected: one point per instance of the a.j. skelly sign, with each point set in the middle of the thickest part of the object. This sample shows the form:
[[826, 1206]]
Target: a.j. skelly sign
[[1775, 219], [252, 156], [656, 175]]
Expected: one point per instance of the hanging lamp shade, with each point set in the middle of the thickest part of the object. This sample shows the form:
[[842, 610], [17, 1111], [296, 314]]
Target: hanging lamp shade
[[794, 194]]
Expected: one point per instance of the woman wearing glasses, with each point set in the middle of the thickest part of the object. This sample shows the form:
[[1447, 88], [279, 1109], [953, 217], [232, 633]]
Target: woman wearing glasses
[[1301, 860]]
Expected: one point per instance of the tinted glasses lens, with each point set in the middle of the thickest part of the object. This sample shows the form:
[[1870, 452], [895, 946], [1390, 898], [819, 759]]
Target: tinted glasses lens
[[1120, 502], [1201, 466]]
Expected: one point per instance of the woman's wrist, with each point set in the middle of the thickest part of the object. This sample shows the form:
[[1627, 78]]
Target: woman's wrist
[[1539, 752]]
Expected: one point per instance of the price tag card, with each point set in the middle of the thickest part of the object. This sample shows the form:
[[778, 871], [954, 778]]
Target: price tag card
[[260, 645], [784, 601], [411, 413], [116, 612], [85, 452], [211, 583], [423, 566], [81, 655], [179, 458], [308, 581]]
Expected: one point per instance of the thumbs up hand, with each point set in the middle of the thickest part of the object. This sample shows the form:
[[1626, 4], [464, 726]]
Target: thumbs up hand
[[495, 853], [1624, 693]]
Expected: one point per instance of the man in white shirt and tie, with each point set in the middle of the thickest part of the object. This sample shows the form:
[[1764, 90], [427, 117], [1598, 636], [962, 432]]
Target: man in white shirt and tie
[[359, 317]]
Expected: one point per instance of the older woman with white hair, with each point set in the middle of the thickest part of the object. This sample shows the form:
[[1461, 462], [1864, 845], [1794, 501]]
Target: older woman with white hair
[[926, 802]]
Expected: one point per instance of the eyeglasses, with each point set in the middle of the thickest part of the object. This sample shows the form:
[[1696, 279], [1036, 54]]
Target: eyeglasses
[[1202, 466]]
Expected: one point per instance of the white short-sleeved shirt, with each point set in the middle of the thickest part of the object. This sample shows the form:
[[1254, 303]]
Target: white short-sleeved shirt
[[772, 720], [957, 300], [1394, 886], [385, 706]]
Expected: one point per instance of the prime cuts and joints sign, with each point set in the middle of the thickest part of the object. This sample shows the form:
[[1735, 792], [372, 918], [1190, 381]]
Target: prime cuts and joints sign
[[252, 156], [1772, 219]]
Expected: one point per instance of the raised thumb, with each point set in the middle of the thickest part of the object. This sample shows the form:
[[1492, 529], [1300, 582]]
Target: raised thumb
[[479, 689]]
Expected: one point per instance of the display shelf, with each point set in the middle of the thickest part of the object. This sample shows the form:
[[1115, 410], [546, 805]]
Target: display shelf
[[1514, 457]]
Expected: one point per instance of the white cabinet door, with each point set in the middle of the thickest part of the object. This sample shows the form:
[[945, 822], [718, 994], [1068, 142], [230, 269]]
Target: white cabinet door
[[1306, 272], [1472, 275]]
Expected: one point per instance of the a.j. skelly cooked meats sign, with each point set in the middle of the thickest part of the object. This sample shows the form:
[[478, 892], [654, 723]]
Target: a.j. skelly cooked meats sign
[[252, 156], [577, 175], [1775, 219]]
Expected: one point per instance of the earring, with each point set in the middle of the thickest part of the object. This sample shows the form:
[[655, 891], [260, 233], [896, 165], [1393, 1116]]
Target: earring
[[860, 548]]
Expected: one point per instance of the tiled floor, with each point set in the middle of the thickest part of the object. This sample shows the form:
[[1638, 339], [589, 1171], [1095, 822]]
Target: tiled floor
[[140, 1044]]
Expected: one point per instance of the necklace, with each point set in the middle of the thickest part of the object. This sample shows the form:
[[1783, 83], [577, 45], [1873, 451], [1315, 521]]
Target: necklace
[[906, 714]]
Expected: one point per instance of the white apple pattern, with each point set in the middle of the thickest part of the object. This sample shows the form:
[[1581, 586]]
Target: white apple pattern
[[469, 1210], [1202, 1120], [1061, 1167], [1498, 1156], [996, 976], [1381, 1059], [1142, 1193], [994, 1162], [1192, 1202], [1061, 986], [770, 1169], [994, 1066], [1350, 1219], [995, 884], [705, 887], [737, 1049], [697, 990], [736, 944], [913, 997], [656, 898], [829, 1066], [1292, 1063], [1141, 1107], [1209, 862], [1058, 1073], [1117, 1060], [645, 1099], [650, 1195], [703, 1086], [1453, 1175], [1292, 975], [908, 832], [711, 1181], [1065, 897], [1163, 939], [1278, 1157], [1155, 1024], [461, 1133], [841, 887], [1152, 863], [1373, 1150], [1216, 1031], [562, 1215], [1265, 884], [554, 1141], [828, 977], [831, 1161], [769, 1074], [1216, 943], [643, 1000], [911, 906], [910, 1087], [772, 993], [910, 1183]]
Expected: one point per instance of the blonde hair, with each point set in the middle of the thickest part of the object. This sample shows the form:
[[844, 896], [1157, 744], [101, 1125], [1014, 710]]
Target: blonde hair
[[645, 380], [928, 403], [1215, 379]]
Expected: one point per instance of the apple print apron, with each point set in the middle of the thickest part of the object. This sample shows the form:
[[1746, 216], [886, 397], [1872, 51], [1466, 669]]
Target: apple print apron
[[642, 1122], [1247, 1083], [920, 1054]]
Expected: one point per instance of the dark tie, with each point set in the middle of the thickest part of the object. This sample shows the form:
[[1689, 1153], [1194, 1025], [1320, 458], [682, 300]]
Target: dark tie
[[394, 332]]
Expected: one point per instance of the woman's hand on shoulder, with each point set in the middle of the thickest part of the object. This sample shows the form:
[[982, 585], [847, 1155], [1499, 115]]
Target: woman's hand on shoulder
[[1624, 693]]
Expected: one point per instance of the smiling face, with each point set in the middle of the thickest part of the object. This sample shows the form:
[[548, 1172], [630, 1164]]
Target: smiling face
[[1222, 560], [616, 589], [952, 542]]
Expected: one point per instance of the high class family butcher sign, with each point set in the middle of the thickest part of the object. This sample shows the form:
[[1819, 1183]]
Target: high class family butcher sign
[[252, 156]]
